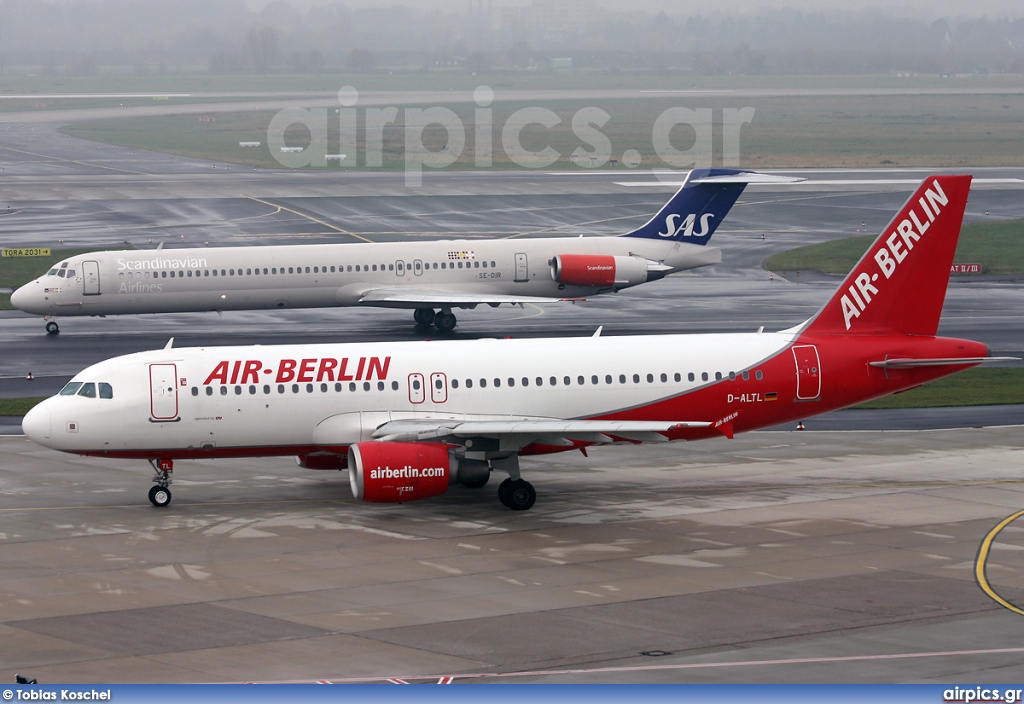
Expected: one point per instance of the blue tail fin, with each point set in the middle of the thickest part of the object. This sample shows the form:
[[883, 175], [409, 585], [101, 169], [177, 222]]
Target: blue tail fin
[[696, 210]]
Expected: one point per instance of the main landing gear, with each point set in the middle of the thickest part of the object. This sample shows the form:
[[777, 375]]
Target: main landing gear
[[443, 320], [160, 495], [515, 492]]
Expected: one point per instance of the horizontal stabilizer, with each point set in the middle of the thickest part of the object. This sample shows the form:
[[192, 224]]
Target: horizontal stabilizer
[[938, 362], [748, 177]]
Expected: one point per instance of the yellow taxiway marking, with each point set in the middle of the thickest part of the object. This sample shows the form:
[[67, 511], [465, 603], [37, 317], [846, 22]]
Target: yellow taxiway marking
[[308, 217], [980, 565]]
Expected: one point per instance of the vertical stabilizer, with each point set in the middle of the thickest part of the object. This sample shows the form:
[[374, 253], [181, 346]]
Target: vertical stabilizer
[[900, 283]]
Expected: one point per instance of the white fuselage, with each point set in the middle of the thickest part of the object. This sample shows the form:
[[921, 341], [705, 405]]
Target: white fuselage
[[445, 273], [296, 398]]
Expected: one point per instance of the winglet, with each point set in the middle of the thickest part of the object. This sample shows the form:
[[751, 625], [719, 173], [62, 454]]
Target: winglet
[[170, 344], [724, 425]]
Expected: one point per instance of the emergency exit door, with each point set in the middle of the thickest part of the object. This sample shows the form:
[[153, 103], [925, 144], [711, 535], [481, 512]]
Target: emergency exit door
[[163, 386], [91, 278], [522, 272], [808, 372]]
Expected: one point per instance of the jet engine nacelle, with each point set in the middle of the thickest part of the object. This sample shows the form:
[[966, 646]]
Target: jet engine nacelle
[[391, 472], [603, 271]]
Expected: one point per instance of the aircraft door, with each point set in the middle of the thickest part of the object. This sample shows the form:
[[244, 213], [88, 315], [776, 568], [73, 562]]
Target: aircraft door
[[417, 392], [808, 372], [438, 387], [522, 272], [400, 268], [417, 267], [163, 385], [91, 278]]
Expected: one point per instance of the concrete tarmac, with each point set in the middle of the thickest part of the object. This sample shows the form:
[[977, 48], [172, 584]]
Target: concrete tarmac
[[774, 557]]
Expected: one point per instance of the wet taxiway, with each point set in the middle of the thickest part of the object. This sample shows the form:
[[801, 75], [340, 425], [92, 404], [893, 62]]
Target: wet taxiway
[[775, 557]]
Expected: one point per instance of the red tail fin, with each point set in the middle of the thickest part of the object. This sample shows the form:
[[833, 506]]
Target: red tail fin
[[900, 283]]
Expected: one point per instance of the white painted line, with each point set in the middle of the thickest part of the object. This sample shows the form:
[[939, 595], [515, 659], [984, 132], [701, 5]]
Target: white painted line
[[816, 182]]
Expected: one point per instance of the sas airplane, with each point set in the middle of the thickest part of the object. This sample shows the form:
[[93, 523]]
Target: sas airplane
[[430, 277], [408, 419]]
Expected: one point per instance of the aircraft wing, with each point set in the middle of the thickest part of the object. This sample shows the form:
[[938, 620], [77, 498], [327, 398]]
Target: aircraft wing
[[411, 297], [516, 433]]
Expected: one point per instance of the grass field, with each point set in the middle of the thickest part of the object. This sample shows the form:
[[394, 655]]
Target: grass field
[[974, 387], [802, 131], [997, 246], [18, 406]]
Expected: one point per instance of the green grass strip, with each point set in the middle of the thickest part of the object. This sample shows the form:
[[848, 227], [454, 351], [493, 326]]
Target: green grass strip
[[997, 246], [18, 406], [988, 386]]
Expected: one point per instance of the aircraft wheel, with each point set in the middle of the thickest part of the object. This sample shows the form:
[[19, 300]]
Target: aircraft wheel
[[160, 496], [445, 322], [423, 316], [52, 328], [503, 490], [520, 496]]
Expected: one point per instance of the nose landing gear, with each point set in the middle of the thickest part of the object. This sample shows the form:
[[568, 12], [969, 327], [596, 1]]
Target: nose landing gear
[[160, 495], [52, 328]]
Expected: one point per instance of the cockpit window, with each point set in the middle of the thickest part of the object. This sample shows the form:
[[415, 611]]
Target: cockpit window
[[52, 272], [62, 273], [71, 272], [88, 390], [106, 390], [70, 388]]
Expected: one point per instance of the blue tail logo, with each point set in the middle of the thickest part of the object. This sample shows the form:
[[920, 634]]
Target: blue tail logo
[[698, 207]]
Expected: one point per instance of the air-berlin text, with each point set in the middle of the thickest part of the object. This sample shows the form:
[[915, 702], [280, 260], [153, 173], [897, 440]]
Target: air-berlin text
[[253, 371], [892, 251]]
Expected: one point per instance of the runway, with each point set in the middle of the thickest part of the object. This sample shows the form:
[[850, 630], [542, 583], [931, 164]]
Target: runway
[[776, 557]]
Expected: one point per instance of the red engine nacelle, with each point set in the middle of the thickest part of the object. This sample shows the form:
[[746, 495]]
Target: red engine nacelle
[[390, 472], [599, 270]]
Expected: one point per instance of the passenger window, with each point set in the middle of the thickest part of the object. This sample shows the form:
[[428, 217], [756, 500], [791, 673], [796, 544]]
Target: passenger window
[[650, 379], [223, 391], [88, 390], [337, 387], [718, 376], [195, 390], [691, 377], [352, 386], [580, 380], [497, 383], [280, 388], [295, 388], [703, 376], [107, 391], [664, 378], [469, 383], [380, 385], [732, 376], [323, 388], [366, 386], [309, 388], [214, 272], [511, 381], [375, 267], [238, 390], [758, 375], [567, 381], [483, 383], [209, 391], [593, 379], [266, 389], [307, 269], [540, 381], [554, 381], [252, 390], [746, 376], [70, 388]]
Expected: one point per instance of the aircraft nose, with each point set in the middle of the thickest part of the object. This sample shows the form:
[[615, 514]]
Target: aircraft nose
[[24, 299], [36, 424]]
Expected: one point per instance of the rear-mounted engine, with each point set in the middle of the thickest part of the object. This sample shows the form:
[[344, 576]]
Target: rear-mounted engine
[[601, 271]]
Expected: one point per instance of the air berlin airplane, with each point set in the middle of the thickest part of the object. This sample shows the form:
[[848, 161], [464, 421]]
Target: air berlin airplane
[[431, 277], [408, 419]]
